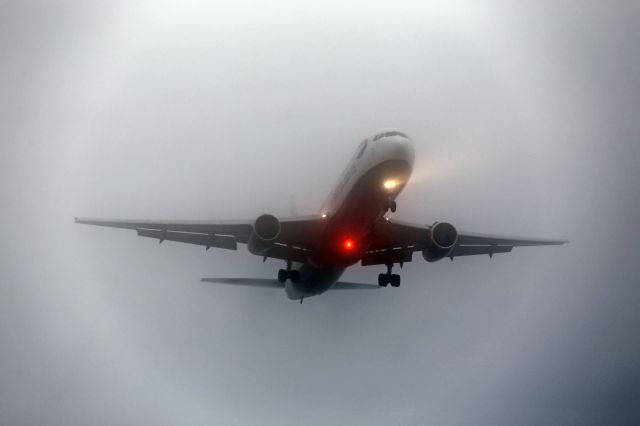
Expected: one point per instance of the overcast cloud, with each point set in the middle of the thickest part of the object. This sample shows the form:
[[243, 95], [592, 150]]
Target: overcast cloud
[[525, 120]]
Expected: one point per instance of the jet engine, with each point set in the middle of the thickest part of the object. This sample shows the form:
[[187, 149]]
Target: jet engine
[[266, 229], [442, 237]]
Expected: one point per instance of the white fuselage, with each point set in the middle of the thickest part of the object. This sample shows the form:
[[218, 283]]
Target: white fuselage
[[377, 172]]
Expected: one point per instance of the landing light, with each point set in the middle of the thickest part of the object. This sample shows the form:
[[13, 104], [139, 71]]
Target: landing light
[[324, 215], [390, 184]]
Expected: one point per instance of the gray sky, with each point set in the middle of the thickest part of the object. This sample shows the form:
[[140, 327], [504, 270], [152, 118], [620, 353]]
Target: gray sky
[[525, 122]]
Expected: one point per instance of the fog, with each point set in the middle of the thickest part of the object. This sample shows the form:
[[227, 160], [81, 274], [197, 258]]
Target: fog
[[525, 121]]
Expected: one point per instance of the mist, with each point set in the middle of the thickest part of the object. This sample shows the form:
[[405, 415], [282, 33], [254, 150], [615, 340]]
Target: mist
[[524, 119]]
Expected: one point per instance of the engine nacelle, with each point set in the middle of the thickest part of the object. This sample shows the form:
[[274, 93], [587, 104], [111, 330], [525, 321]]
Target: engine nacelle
[[266, 229], [442, 237]]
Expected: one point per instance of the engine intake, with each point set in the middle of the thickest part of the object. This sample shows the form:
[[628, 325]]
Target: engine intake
[[266, 229], [442, 237]]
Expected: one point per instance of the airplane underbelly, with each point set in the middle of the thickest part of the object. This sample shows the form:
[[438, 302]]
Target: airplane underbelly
[[313, 281], [347, 234]]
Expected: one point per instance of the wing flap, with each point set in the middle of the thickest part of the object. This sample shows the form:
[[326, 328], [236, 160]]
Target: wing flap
[[281, 251], [383, 257], [241, 230], [208, 240], [392, 240], [293, 243], [473, 250]]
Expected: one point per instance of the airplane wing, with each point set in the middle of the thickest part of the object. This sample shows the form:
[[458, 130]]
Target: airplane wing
[[395, 242], [293, 242]]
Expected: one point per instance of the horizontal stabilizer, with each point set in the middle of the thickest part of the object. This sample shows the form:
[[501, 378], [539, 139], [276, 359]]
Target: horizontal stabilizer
[[269, 283], [251, 282]]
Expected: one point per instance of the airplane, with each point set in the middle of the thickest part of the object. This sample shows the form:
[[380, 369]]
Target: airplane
[[353, 225]]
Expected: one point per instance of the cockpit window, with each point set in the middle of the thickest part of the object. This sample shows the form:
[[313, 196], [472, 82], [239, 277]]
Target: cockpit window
[[392, 133]]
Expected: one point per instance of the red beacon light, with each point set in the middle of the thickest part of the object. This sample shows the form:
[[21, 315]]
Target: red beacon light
[[348, 244]]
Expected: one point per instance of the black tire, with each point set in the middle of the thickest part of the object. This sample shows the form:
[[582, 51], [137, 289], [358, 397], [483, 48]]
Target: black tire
[[383, 280], [395, 280], [393, 207], [283, 274], [294, 276]]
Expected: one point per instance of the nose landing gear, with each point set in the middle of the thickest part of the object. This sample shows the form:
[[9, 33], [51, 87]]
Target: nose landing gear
[[391, 205], [389, 278]]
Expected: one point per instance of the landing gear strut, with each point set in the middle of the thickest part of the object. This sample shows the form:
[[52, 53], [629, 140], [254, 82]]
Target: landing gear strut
[[391, 205], [389, 278], [288, 274]]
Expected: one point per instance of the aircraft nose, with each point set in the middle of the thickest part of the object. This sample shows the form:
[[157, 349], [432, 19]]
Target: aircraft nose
[[400, 148]]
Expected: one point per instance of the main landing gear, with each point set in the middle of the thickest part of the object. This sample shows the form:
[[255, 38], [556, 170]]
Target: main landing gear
[[288, 274], [389, 278]]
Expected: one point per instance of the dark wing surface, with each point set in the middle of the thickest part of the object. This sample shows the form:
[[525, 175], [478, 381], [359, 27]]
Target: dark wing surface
[[395, 242], [471, 243], [293, 242]]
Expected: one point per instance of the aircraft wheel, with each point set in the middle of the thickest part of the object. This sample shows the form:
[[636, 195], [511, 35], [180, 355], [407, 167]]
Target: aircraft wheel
[[283, 274], [294, 276], [393, 206], [383, 280], [395, 280]]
